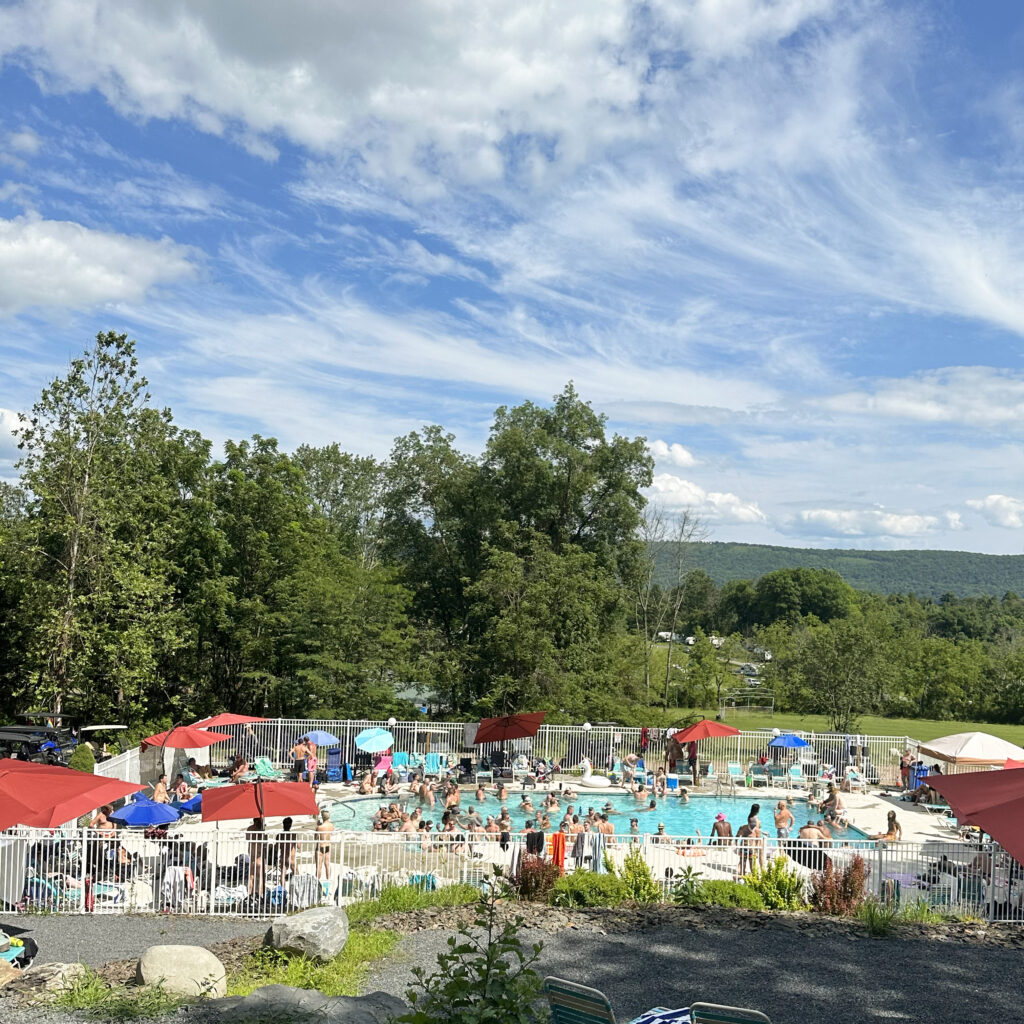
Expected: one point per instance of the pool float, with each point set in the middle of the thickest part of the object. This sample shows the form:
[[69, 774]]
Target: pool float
[[589, 779]]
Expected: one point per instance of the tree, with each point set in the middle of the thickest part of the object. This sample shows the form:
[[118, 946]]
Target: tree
[[685, 528], [651, 600], [95, 465], [793, 593]]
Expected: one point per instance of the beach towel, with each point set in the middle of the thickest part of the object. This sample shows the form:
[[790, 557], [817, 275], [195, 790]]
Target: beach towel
[[558, 849], [661, 1016]]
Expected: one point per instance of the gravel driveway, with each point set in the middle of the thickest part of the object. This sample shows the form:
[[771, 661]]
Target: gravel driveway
[[793, 978]]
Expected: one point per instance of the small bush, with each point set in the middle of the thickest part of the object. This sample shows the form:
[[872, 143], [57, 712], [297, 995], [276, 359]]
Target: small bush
[[636, 876], [689, 889], [485, 976], [731, 894], [90, 995], [82, 759], [920, 912], [839, 892], [879, 917], [535, 878], [584, 888], [779, 886]]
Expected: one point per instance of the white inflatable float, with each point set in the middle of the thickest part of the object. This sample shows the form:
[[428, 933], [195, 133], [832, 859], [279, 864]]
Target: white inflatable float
[[589, 778]]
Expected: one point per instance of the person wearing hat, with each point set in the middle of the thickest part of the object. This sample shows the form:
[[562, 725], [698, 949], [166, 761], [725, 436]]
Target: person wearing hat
[[721, 831], [660, 837]]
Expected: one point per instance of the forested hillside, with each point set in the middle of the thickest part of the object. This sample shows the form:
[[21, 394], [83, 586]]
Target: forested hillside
[[146, 577], [925, 573]]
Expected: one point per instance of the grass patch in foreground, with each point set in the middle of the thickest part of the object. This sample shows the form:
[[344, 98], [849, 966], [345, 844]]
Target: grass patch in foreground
[[91, 995], [342, 976], [399, 898]]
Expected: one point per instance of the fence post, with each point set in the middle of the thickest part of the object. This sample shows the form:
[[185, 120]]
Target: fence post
[[878, 870]]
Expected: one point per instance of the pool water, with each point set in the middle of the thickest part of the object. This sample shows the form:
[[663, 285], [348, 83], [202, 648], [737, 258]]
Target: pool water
[[681, 818]]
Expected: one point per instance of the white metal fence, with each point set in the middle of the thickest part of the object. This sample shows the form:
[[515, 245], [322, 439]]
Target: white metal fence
[[878, 756], [213, 871]]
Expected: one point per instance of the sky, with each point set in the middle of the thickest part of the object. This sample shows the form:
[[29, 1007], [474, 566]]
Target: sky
[[781, 239]]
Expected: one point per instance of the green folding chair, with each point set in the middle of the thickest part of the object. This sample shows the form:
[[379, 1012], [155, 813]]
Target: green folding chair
[[713, 1013], [576, 1004]]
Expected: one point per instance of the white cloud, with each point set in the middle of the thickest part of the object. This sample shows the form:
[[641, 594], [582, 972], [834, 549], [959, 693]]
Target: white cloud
[[977, 396], [674, 454], [49, 263], [1000, 510], [714, 506], [25, 142], [8, 442], [833, 522]]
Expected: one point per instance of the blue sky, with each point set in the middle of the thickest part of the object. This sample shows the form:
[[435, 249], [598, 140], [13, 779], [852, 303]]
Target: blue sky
[[783, 239]]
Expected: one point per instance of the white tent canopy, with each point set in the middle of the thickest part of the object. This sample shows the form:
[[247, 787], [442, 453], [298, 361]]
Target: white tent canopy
[[972, 748]]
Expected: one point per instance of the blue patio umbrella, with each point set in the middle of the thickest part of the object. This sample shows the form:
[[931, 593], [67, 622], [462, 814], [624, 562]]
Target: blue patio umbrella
[[321, 738], [144, 813], [788, 739], [375, 741]]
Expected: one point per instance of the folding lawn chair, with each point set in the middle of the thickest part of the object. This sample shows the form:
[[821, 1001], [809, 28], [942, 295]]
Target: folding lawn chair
[[576, 1004], [713, 1013]]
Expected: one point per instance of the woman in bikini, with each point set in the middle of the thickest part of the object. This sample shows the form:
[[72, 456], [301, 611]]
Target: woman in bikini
[[893, 831], [324, 831]]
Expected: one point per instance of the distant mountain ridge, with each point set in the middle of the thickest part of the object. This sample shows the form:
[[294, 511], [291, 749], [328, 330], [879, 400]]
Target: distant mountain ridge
[[925, 573]]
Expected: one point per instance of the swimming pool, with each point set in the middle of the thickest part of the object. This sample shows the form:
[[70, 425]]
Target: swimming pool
[[681, 818]]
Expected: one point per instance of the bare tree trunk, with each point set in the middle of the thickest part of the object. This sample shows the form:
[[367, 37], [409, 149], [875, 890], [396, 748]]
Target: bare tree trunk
[[686, 528]]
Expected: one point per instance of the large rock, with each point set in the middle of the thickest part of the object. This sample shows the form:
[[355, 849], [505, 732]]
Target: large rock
[[45, 980], [320, 933], [183, 970], [285, 1005], [8, 972]]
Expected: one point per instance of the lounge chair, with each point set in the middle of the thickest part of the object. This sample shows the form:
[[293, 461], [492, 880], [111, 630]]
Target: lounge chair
[[735, 770], [712, 1013], [778, 775], [796, 777], [576, 1004], [759, 775], [432, 764], [854, 780], [400, 760]]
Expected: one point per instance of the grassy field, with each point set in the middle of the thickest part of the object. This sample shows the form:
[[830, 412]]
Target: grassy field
[[915, 728]]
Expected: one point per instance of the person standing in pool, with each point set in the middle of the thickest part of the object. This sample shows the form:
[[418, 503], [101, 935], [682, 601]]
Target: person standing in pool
[[783, 820], [722, 830]]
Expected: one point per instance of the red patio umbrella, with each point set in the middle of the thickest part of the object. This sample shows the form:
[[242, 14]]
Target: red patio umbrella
[[704, 729], [510, 727], [219, 721], [994, 801], [258, 800], [1011, 763], [185, 736], [48, 796]]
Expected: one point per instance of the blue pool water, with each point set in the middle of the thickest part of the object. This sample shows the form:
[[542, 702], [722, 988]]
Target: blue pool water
[[681, 818]]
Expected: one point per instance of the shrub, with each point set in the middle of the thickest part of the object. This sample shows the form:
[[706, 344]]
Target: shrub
[[535, 878], [779, 886], [584, 888], [636, 876], [692, 891], [82, 759], [839, 892], [731, 894], [879, 917], [481, 978]]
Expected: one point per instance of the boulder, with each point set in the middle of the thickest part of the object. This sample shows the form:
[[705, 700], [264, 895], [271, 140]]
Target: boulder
[[45, 980], [285, 1005], [320, 933], [8, 972], [183, 970]]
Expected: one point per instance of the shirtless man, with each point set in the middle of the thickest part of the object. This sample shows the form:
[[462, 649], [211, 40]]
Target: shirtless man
[[408, 825], [811, 831], [366, 786], [575, 828], [239, 768], [492, 826], [502, 792], [160, 794], [324, 831], [721, 831], [605, 826], [526, 804], [481, 795], [783, 820]]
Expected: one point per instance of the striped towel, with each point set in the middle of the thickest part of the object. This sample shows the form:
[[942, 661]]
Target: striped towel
[[659, 1015]]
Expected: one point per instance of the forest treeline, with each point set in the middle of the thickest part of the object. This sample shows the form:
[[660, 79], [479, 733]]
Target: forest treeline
[[923, 572], [146, 578]]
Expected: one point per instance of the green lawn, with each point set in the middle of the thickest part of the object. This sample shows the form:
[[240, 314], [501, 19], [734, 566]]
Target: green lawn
[[915, 728]]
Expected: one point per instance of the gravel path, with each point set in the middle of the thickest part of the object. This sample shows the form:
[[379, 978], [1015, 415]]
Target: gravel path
[[95, 939], [794, 978]]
